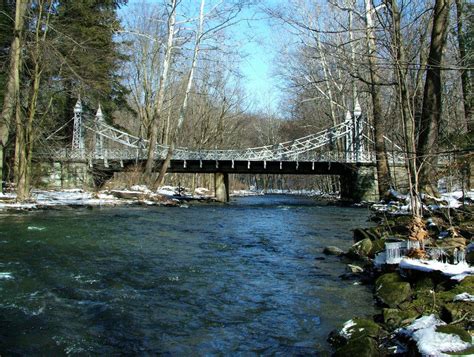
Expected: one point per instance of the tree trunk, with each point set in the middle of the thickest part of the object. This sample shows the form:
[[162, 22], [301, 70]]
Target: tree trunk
[[25, 133], [432, 100], [184, 106], [465, 78], [12, 93], [406, 111], [465, 87], [153, 138], [383, 172]]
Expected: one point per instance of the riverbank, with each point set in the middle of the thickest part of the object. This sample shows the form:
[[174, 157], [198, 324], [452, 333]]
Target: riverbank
[[425, 293], [135, 195]]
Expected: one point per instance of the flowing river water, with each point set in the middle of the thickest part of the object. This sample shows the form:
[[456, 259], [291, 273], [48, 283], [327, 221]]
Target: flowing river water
[[244, 278]]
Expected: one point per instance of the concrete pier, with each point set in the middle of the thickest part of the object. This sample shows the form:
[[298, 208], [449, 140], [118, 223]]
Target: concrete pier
[[221, 184]]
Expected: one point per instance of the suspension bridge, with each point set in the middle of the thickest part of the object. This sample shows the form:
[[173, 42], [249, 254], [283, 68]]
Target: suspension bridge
[[106, 149]]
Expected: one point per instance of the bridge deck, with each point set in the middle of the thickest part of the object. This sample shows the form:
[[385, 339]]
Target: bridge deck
[[239, 167]]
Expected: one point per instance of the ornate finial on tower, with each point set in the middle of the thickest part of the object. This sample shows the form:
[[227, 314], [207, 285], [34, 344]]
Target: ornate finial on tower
[[348, 115], [78, 106], [99, 115], [357, 108]]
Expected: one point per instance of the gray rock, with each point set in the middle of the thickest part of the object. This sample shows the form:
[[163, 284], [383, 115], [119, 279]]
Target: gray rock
[[361, 249], [354, 269], [332, 250]]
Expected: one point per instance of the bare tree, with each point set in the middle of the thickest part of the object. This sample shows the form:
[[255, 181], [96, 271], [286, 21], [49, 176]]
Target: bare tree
[[184, 105], [11, 102], [160, 97], [465, 77], [406, 110], [25, 124], [383, 172], [432, 99]]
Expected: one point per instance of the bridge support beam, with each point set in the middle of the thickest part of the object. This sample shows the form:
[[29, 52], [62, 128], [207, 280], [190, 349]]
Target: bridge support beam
[[360, 184], [221, 184]]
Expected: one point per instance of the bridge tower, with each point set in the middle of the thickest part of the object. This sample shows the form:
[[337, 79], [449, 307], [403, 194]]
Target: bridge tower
[[358, 124], [99, 140], [78, 130], [354, 139]]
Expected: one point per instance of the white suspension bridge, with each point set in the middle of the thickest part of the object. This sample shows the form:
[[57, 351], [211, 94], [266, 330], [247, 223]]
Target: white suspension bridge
[[339, 150]]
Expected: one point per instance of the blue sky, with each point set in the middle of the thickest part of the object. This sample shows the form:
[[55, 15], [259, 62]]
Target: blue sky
[[257, 43]]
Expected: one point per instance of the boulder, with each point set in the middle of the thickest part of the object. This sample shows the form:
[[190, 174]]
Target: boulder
[[372, 233], [332, 250], [388, 278], [354, 269], [391, 290], [454, 330], [360, 347], [361, 249], [470, 258], [423, 284], [395, 318], [129, 195], [467, 284], [393, 294], [377, 246]]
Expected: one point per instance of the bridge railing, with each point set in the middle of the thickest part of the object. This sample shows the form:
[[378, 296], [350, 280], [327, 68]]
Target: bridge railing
[[134, 154]]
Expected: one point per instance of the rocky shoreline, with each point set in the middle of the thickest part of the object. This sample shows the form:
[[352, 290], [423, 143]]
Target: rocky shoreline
[[426, 305]]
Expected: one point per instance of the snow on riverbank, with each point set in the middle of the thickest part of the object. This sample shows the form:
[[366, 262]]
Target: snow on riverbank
[[45, 199], [400, 205], [77, 197], [429, 341], [455, 271], [306, 193]]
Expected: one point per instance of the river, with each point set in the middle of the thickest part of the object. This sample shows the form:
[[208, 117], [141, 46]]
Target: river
[[244, 278]]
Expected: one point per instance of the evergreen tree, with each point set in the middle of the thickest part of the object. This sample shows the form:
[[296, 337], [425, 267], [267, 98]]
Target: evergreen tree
[[89, 56], [6, 34]]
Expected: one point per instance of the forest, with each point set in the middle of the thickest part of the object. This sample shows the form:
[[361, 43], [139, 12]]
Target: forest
[[169, 71]]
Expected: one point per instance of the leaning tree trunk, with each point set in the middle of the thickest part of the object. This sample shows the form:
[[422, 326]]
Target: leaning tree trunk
[[406, 111], [432, 100], [465, 86], [383, 172], [12, 93], [184, 106], [25, 127], [465, 72], [160, 97]]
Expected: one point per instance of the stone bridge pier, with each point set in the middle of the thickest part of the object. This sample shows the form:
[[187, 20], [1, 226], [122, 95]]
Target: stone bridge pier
[[221, 184], [359, 183]]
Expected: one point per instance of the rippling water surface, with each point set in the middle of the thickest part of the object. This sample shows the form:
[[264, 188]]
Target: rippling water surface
[[245, 278]]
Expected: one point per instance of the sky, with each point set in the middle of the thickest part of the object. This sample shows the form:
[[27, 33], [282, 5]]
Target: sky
[[256, 40]]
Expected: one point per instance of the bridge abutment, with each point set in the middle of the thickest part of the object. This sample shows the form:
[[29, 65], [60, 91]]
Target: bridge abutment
[[221, 184], [62, 175], [360, 184]]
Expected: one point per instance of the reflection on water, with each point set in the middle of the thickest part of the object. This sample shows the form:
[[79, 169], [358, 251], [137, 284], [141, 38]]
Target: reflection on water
[[241, 278]]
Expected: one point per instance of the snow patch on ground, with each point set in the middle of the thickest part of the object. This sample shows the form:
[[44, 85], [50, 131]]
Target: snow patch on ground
[[430, 342], [74, 197], [140, 188], [167, 191], [6, 276], [345, 329], [34, 228], [402, 206], [464, 297], [244, 193], [453, 270]]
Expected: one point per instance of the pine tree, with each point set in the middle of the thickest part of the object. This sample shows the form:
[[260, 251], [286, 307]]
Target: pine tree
[[89, 55], [6, 34]]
